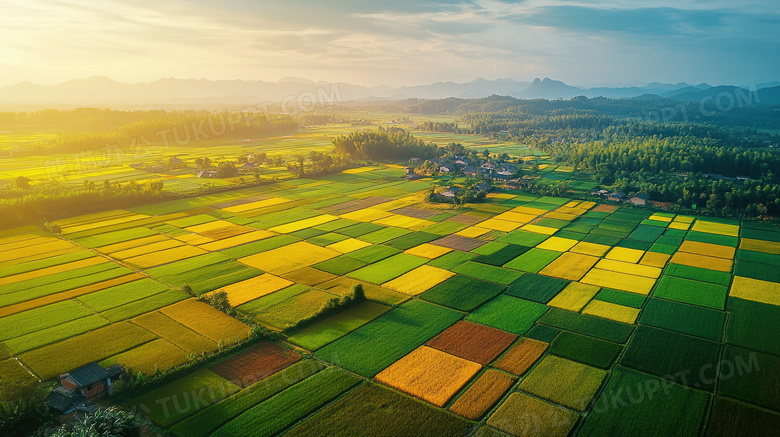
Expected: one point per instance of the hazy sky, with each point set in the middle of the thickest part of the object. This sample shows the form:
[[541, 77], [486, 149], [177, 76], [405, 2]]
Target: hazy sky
[[397, 42]]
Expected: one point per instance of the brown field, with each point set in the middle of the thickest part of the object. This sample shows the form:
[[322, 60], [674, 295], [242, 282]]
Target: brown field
[[255, 363], [521, 356], [472, 341], [483, 394], [458, 242]]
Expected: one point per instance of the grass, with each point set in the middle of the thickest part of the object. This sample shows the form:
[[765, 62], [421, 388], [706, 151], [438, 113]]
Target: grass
[[207, 420], [371, 348], [284, 409], [564, 382], [508, 314], [377, 411], [483, 394], [692, 292], [429, 374], [686, 319], [664, 353], [521, 414], [673, 410], [335, 327], [584, 349], [211, 386], [462, 293]]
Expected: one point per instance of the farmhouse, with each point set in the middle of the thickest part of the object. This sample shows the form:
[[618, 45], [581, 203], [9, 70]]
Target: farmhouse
[[640, 199], [62, 400], [207, 174], [175, 161], [410, 174], [617, 196], [90, 380]]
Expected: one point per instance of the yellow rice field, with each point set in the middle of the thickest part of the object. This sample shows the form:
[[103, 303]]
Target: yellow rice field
[[256, 205], [472, 232], [132, 243], [607, 310], [716, 228], [427, 250], [402, 221], [571, 266], [557, 244], [755, 290], [52, 270], [701, 261], [250, 289], [625, 254], [418, 280], [149, 248], [165, 256], [285, 259], [539, 229], [586, 248], [760, 246], [631, 269], [499, 225], [236, 241], [707, 249], [206, 320], [429, 374], [366, 215], [513, 216], [574, 297], [655, 259], [619, 281]]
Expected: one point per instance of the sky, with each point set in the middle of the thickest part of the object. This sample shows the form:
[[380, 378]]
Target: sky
[[398, 42]]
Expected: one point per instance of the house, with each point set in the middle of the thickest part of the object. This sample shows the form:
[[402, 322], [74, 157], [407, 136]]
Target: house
[[743, 178], [599, 193], [487, 166], [453, 188], [617, 196], [482, 186], [207, 174], [91, 380], [505, 173], [62, 400], [175, 161], [470, 171], [515, 184], [640, 199], [410, 174], [444, 169]]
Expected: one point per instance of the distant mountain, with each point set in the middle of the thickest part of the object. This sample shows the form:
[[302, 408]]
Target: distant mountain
[[172, 91], [728, 96]]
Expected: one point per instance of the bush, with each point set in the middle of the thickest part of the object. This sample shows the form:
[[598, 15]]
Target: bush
[[104, 422], [22, 417]]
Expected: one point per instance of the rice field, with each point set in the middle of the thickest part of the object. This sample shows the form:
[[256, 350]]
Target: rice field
[[499, 317]]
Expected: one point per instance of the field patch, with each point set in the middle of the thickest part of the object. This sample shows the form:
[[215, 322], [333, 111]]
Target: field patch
[[752, 325], [458, 242], [54, 359], [625, 254], [388, 269], [584, 349], [521, 356], [254, 364], [571, 266], [607, 310], [429, 374], [185, 338], [663, 353], [770, 247], [487, 272], [427, 250], [536, 288], [418, 280], [462, 293], [472, 341], [564, 382], [619, 281], [335, 327], [374, 410], [483, 394], [677, 411], [751, 372], [693, 292], [285, 259], [533, 260], [687, 319], [755, 290], [523, 415], [206, 320], [508, 313], [574, 296], [147, 358], [164, 256], [250, 289], [629, 269], [376, 345], [715, 228], [733, 418], [587, 325]]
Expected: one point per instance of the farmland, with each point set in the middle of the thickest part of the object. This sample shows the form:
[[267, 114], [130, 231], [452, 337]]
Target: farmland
[[520, 314]]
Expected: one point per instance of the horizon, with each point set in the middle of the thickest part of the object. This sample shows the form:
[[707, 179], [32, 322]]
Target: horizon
[[399, 44]]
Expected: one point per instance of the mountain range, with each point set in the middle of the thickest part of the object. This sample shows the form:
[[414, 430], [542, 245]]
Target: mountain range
[[171, 91]]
